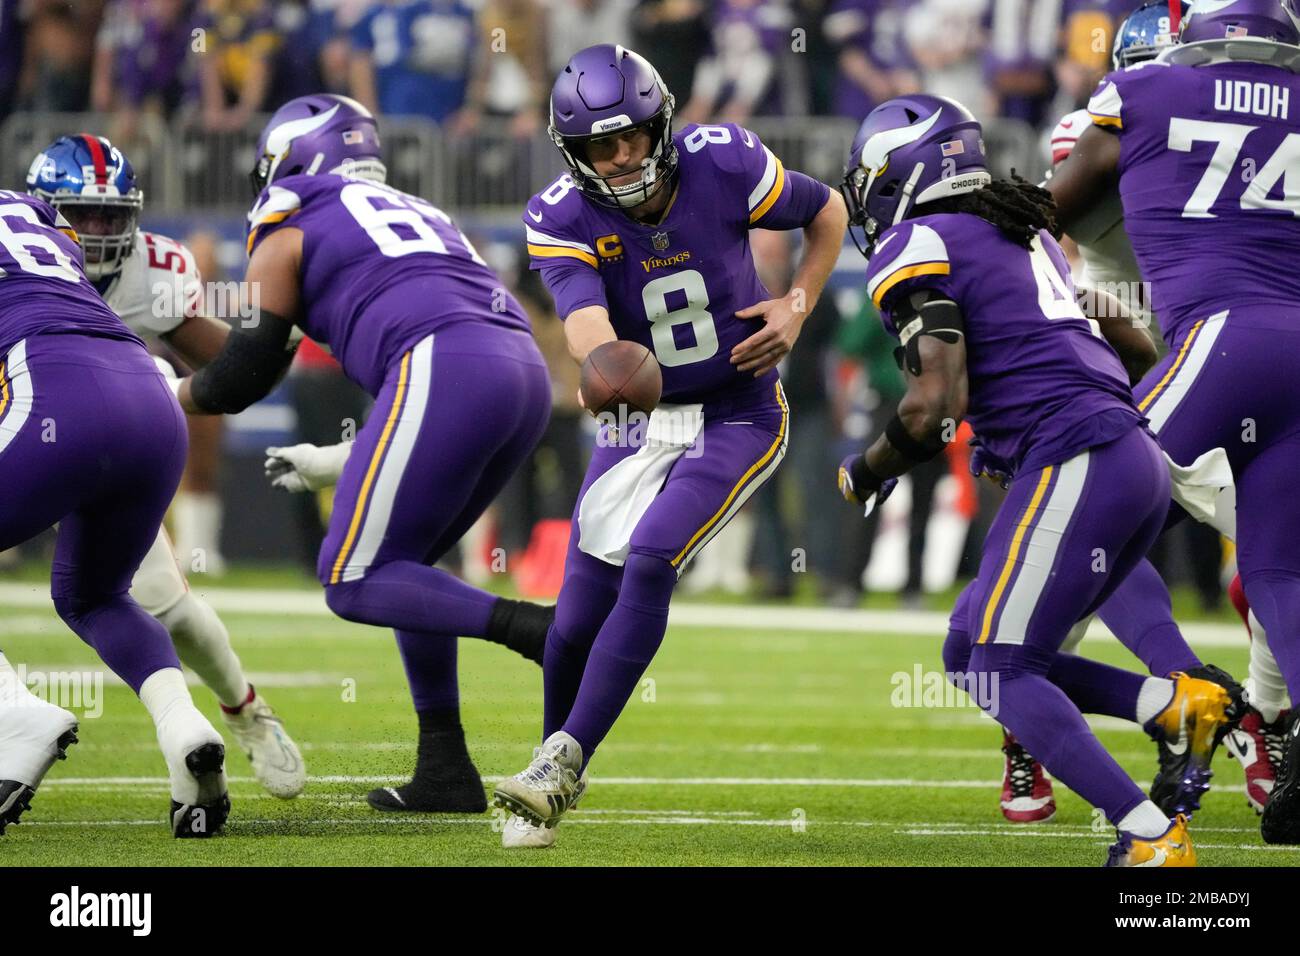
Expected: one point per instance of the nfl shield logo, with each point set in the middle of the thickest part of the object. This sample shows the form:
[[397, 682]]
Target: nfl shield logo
[[660, 240]]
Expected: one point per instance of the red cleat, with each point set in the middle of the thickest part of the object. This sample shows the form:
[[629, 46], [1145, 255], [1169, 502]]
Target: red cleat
[[1259, 748], [1026, 787]]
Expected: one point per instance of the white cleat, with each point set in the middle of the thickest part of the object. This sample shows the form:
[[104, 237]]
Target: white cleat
[[545, 789], [277, 762], [519, 834], [196, 756], [33, 734]]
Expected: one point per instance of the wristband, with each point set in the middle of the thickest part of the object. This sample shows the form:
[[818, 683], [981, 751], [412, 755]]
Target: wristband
[[907, 446]]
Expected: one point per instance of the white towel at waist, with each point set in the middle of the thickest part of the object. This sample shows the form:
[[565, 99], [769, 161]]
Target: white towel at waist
[[616, 501]]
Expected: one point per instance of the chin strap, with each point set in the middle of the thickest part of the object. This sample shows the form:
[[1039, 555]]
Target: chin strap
[[904, 203]]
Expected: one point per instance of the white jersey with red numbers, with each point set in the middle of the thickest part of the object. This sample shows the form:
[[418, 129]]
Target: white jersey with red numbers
[[1108, 260], [158, 288]]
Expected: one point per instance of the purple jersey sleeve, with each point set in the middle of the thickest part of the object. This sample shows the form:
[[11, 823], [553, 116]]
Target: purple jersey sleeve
[[909, 257], [774, 197], [1106, 105], [573, 286], [274, 206], [561, 253]]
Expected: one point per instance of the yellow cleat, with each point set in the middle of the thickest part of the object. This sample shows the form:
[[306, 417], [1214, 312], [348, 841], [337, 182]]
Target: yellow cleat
[[1171, 848], [1187, 732]]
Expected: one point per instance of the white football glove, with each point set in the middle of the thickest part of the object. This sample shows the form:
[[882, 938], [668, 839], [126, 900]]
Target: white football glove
[[306, 467]]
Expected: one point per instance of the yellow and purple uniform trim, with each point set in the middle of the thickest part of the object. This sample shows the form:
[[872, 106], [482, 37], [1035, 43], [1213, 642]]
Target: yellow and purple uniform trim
[[376, 459], [549, 252], [269, 220], [909, 272], [746, 480], [772, 195], [1024, 528], [1168, 377]]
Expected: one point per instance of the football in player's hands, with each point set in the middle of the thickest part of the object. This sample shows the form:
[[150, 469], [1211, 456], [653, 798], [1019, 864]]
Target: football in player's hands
[[621, 373]]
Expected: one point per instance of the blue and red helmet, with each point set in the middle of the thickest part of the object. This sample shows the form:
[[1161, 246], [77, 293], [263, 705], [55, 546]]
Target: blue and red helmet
[[911, 150], [1240, 19], [320, 133], [1146, 33], [609, 89], [93, 185]]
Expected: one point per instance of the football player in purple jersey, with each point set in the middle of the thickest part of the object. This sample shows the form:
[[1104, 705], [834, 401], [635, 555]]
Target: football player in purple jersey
[[90, 439], [968, 275], [1204, 144], [1139, 612], [646, 239], [417, 319]]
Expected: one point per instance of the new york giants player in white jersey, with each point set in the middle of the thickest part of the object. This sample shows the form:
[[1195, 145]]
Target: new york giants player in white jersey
[[153, 284]]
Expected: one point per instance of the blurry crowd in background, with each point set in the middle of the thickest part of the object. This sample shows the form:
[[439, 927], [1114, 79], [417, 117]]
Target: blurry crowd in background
[[219, 66], [457, 61]]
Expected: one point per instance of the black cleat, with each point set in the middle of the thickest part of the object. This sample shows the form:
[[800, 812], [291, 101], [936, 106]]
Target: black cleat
[[202, 820], [457, 789], [445, 778], [16, 797], [1281, 820]]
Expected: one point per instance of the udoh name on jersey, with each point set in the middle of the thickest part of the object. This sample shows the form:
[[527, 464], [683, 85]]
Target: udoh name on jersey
[[1259, 99]]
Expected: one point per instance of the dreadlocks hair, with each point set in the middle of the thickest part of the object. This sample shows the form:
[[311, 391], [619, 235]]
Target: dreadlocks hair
[[1016, 206]]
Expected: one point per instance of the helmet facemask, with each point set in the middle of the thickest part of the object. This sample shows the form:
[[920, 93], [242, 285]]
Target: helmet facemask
[[106, 226], [656, 169]]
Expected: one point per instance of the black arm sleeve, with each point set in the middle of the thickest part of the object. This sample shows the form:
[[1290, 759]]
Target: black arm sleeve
[[247, 367]]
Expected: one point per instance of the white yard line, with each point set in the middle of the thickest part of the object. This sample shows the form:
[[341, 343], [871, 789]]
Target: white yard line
[[991, 783], [746, 617]]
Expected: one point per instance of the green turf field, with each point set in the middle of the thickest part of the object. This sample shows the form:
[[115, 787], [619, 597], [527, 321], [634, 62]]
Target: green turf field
[[767, 737]]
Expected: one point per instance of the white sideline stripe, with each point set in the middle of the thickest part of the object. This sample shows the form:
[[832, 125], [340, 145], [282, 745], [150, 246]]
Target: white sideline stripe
[[623, 782], [748, 617]]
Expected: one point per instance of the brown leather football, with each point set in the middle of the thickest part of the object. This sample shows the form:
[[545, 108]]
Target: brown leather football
[[621, 373]]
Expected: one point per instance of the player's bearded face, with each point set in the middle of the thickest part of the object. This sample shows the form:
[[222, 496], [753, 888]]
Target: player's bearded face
[[622, 152], [97, 222]]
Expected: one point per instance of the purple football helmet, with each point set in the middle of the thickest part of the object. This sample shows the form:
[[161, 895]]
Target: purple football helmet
[[911, 150], [608, 89], [321, 133], [1238, 19]]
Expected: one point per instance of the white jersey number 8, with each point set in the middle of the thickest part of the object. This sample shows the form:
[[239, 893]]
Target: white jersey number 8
[[654, 296]]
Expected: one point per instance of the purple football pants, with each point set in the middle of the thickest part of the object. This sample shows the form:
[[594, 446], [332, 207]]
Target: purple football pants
[[1232, 381], [1065, 537], [611, 620], [92, 439], [457, 415]]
